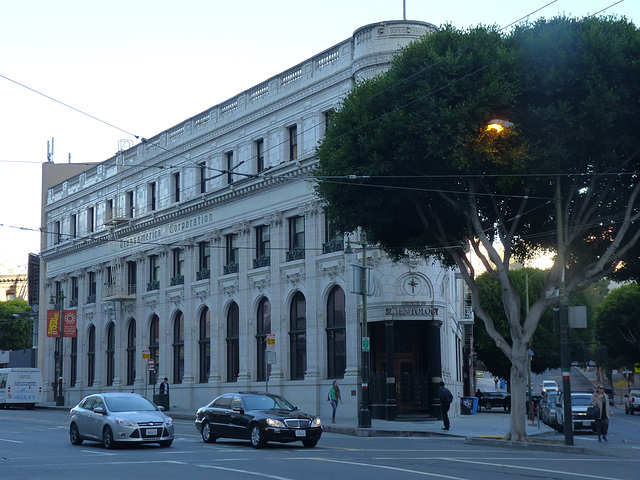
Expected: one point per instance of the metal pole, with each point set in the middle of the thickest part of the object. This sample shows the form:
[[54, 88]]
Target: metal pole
[[60, 397], [364, 418], [563, 318]]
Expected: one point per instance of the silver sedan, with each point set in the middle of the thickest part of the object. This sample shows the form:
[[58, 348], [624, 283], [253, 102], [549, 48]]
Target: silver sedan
[[113, 418]]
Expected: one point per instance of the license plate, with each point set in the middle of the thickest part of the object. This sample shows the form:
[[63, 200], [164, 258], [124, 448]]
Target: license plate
[[301, 433], [152, 432]]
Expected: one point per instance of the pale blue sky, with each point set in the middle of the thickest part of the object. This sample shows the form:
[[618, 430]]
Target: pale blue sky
[[145, 66]]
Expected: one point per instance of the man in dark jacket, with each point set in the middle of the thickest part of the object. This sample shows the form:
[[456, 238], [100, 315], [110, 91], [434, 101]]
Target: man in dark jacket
[[445, 397]]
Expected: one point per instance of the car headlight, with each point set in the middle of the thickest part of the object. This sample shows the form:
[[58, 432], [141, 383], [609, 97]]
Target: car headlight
[[316, 422], [125, 423], [272, 422], [168, 422]]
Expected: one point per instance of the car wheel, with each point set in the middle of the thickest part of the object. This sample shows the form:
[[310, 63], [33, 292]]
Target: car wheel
[[630, 411], [107, 438], [257, 436], [309, 443], [166, 443], [487, 406], [74, 435], [207, 435]]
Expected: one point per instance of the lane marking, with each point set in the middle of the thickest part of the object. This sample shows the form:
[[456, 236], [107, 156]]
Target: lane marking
[[540, 470], [247, 472], [10, 441], [394, 469]]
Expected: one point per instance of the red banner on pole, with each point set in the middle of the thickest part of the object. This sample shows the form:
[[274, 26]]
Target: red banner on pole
[[70, 318], [53, 323]]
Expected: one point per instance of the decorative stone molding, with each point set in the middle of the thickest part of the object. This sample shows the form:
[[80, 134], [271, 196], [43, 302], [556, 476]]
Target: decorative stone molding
[[260, 281], [229, 287], [274, 220], [294, 276], [140, 257], [164, 250], [175, 297], [80, 272], [242, 228], [130, 308], [152, 304], [190, 243], [309, 210], [202, 295]]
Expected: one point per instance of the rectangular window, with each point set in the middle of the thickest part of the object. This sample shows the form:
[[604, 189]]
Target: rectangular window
[[296, 238], [90, 218], [203, 177], [91, 296], [260, 155], [130, 203], [229, 159], [73, 230], [204, 257], [293, 143], [178, 262], [152, 197], [176, 187], [328, 117], [74, 291], [132, 277], [231, 251], [154, 273], [108, 210], [263, 247], [57, 233]]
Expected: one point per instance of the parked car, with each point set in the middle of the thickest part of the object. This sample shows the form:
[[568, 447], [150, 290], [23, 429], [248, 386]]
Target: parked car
[[547, 407], [579, 404], [632, 402], [549, 415], [491, 399], [610, 393], [548, 386], [257, 417], [113, 418]]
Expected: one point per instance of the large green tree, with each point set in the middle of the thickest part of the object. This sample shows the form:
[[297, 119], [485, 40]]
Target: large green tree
[[15, 332], [618, 325], [408, 159]]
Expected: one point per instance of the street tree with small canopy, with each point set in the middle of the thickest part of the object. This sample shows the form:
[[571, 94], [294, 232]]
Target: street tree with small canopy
[[409, 160]]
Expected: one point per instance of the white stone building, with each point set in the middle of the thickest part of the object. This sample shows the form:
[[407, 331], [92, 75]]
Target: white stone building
[[192, 247]]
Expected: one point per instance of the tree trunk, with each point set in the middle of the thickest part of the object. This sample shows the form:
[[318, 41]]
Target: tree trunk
[[519, 370]]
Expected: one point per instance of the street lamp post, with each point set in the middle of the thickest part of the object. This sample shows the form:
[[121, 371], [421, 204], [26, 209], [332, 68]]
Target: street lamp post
[[59, 365], [364, 415]]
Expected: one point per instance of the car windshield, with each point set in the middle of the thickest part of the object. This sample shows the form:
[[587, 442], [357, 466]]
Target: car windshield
[[267, 402], [129, 404], [581, 401]]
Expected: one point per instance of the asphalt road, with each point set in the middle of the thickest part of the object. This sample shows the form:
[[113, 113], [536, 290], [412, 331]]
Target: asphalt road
[[35, 445]]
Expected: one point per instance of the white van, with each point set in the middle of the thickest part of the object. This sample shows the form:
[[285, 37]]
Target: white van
[[20, 387]]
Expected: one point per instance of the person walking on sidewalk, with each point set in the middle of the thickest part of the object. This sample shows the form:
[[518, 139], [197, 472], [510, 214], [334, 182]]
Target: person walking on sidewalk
[[479, 397], [601, 400], [446, 397], [333, 397]]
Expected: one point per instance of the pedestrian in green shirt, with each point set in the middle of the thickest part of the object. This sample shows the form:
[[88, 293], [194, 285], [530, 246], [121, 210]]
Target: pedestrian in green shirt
[[333, 397]]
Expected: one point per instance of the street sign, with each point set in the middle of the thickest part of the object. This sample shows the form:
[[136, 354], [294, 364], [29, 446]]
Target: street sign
[[271, 358], [152, 365], [271, 342], [366, 345], [146, 354]]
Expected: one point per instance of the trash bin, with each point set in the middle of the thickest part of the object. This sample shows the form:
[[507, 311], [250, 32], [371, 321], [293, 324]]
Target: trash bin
[[468, 405], [161, 400]]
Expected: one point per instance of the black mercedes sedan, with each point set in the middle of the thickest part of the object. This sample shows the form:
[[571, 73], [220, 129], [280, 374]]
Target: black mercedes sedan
[[257, 417]]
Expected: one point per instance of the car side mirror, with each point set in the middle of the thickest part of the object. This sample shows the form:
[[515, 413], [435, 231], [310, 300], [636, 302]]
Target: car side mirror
[[160, 407], [99, 410], [238, 410]]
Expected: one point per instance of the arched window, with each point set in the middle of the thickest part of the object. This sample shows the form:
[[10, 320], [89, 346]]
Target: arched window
[[233, 343], [262, 329], [204, 345], [154, 347], [298, 337], [91, 356], [131, 352], [336, 334], [111, 352], [178, 347]]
